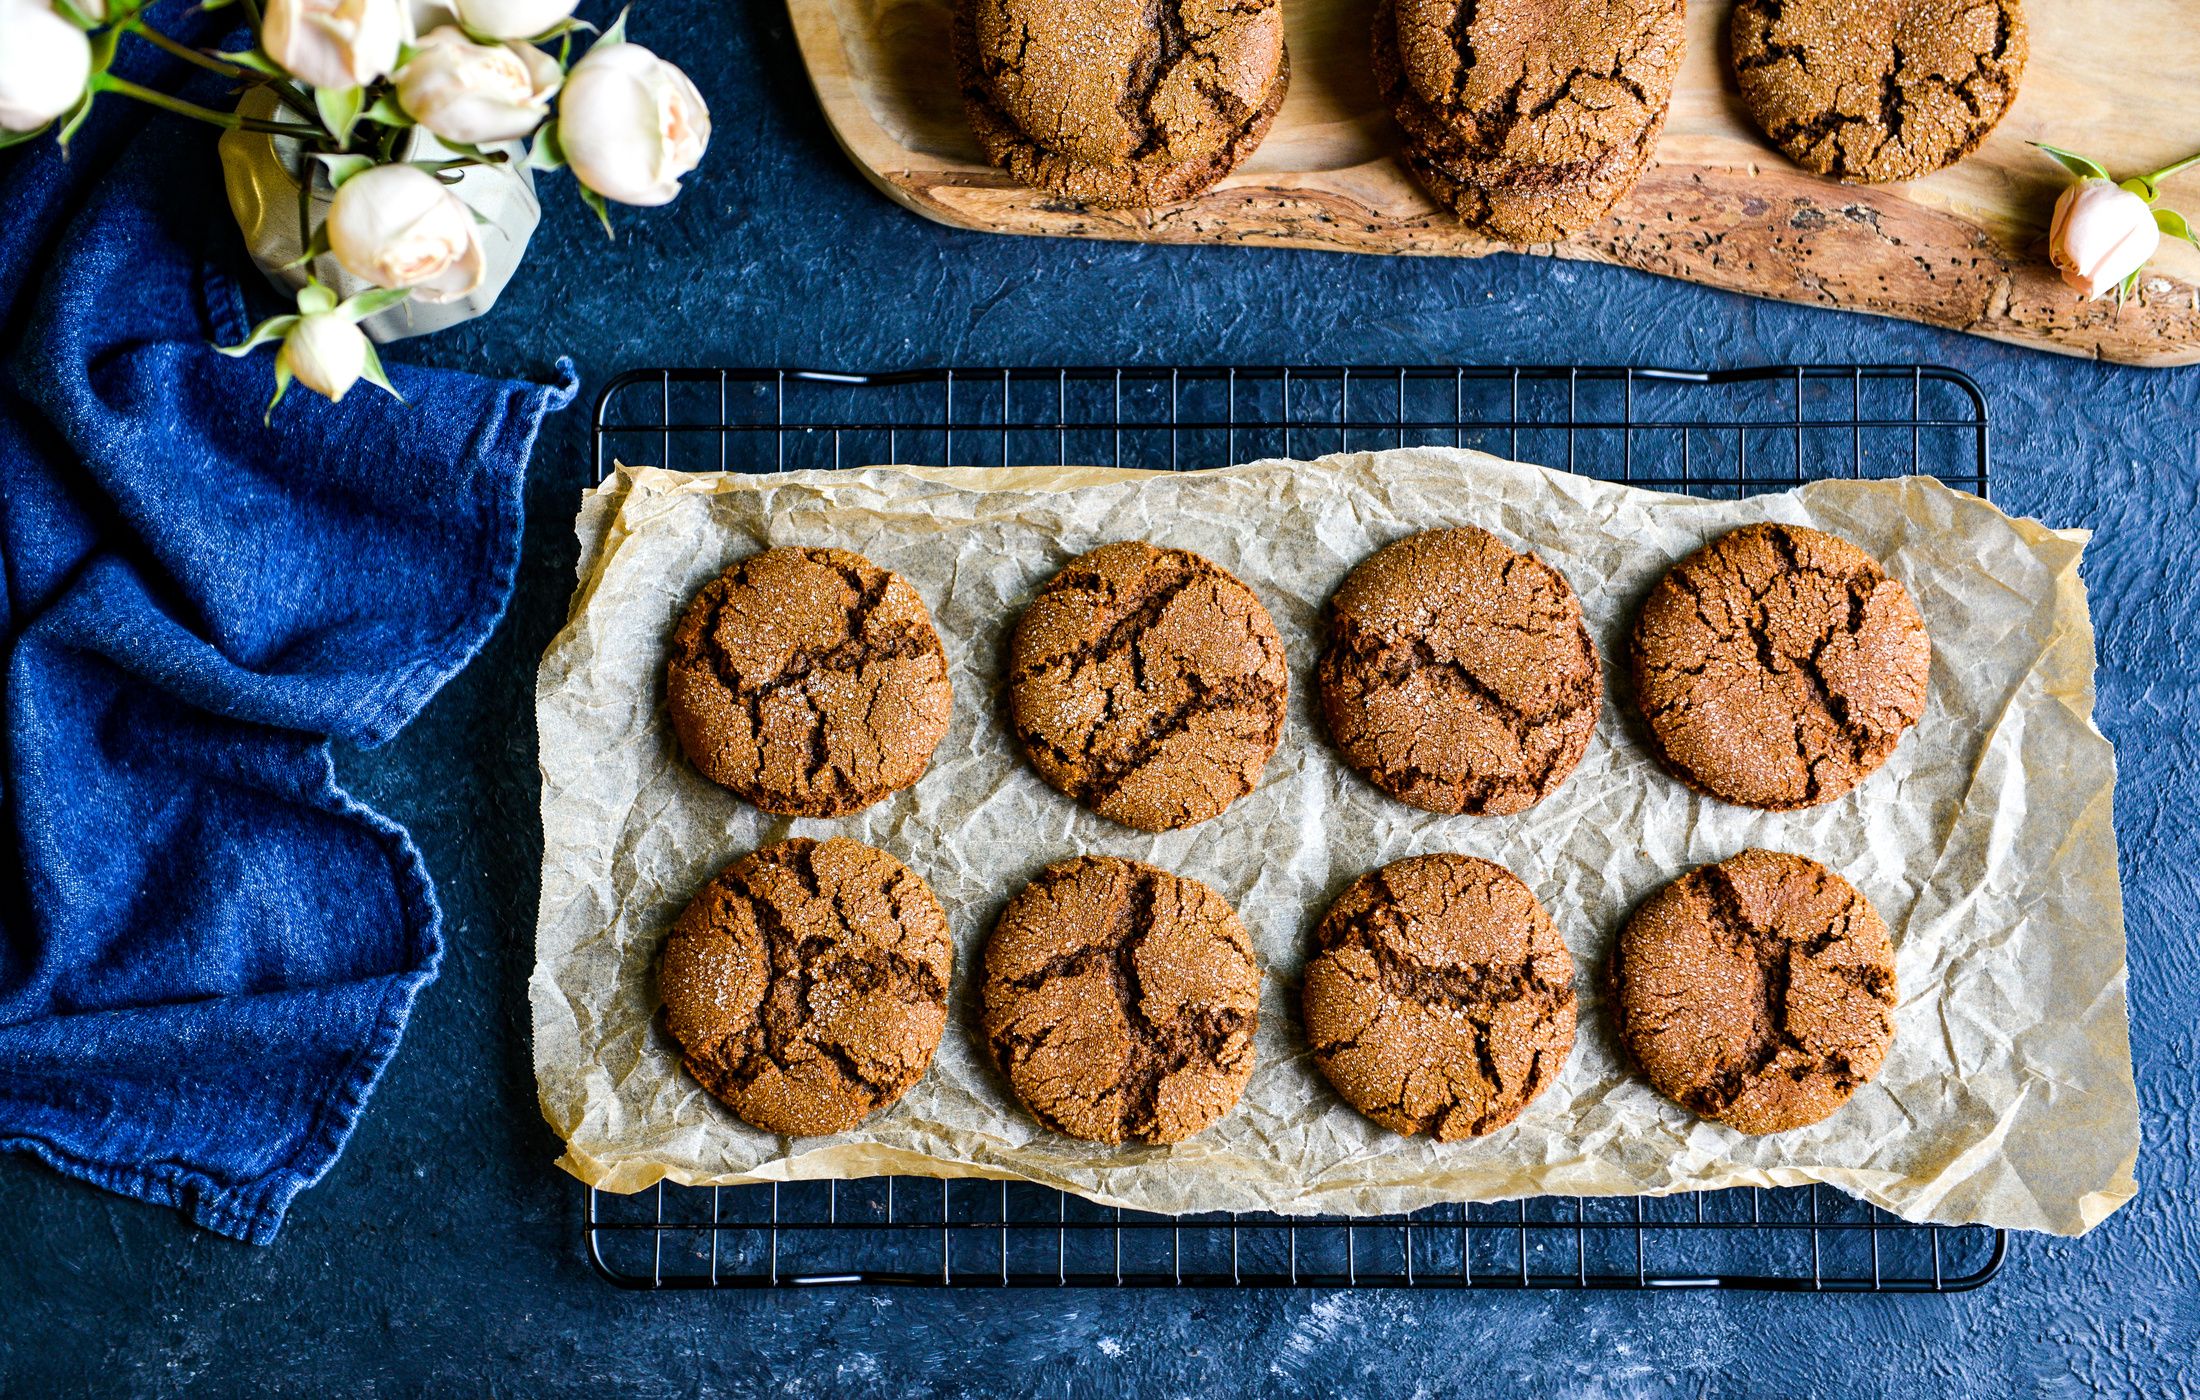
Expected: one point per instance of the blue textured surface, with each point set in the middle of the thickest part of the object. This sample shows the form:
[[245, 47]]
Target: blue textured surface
[[443, 1249]]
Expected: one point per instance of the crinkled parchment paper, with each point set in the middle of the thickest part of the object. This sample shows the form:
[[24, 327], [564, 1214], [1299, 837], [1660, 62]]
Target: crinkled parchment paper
[[1985, 842]]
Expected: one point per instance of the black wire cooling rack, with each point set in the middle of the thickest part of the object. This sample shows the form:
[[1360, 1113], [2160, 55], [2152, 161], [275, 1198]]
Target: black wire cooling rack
[[1724, 433]]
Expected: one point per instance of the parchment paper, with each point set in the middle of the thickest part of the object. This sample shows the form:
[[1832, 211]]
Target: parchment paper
[[1985, 842]]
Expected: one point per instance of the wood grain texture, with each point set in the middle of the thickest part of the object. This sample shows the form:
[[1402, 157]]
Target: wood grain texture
[[1963, 248]]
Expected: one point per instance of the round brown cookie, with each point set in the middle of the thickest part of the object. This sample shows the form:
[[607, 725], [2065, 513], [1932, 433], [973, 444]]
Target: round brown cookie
[[1121, 1001], [1877, 90], [1440, 998], [1148, 684], [807, 984], [809, 681], [1759, 991], [1778, 667], [1458, 675], [1120, 103], [1530, 124]]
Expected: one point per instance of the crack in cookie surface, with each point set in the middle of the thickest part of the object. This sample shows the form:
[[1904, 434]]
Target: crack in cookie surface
[[808, 681], [1759, 991], [807, 984], [1530, 121], [1458, 674], [1878, 90], [1121, 1001], [1120, 103], [1778, 667], [1439, 997], [1148, 684]]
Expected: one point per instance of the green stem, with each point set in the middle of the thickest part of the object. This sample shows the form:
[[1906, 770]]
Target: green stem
[[227, 121], [188, 55], [2168, 170]]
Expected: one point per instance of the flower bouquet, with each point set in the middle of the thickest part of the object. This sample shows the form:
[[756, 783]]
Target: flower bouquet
[[382, 111]]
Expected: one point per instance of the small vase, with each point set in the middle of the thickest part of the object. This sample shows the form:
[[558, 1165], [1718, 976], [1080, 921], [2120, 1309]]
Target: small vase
[[262, 175]]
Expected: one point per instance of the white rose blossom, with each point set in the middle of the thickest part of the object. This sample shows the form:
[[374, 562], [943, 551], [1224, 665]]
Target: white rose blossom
[[45, 62], [477, 94], [397, 226], [631, 124], [2100, 235], [335, 43], [327, 353], [513, 19]]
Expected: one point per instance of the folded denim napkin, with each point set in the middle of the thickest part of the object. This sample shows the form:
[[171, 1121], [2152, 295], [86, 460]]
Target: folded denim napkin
[[208, 951]]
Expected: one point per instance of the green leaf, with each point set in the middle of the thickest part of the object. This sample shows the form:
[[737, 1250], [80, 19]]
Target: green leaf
[[251, 59], [2141, 186], [374, 375], [343, 167], [273, 328], [75, 16], [616, 34], [2129, 285], [596, 202], [282, 387], [366, 304], [17, 138], [340, 109], [2074, 163], [385, 112], [2173, 223], [548, 152]]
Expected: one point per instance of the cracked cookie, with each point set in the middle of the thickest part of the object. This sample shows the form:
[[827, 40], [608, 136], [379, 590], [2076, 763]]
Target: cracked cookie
[[1877, 90], [1779, 666], [807, 984], [1121, 1001], [1440, 998], [1529, 121], [1148, 684], [1458, 674], [1120, 104], [809, 681], [1759, 991]]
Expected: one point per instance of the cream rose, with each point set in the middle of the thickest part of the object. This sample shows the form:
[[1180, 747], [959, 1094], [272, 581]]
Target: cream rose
[[512, 19], [397, 226], [476, 94], [44, 63], [326, 353], [631, 124], [335, 43], [2100, 235]]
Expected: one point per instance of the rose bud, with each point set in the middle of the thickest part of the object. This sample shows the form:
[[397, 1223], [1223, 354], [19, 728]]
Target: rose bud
[[335, 44], [476, 94], [326, 353], [44, 63], [397, 226], [631, 124], [512, 19], [2100, 235]]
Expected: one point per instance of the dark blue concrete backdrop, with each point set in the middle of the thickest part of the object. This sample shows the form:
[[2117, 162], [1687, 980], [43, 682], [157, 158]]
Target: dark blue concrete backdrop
[[442, 1252]]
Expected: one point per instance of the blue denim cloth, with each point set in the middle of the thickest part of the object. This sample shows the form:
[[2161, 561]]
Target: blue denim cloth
[[208, 951]]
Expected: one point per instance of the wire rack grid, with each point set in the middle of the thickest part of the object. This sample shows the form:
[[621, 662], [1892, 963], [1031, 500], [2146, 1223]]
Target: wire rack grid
[[1724, 434]]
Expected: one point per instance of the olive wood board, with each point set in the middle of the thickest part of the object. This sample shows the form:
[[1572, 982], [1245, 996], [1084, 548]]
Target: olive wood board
[[1965, 248]]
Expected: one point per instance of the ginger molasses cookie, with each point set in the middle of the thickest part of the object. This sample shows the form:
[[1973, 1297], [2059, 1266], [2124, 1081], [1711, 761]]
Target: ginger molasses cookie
[[1530, 121], [809, 681], [1778, 666], [1148, 684], [1439, 997], [1120, 103], [1759, 991], [807, 984], [1121, 1001], [1458, 674], [1877, 90]]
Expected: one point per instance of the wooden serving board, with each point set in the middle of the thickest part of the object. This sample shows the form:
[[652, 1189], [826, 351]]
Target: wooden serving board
[[1965, 248]]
